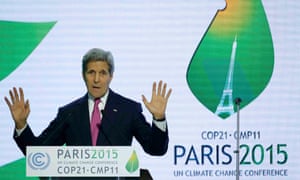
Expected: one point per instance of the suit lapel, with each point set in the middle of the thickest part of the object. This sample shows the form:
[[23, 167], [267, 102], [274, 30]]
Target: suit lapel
[[111, 109], [109, 119]]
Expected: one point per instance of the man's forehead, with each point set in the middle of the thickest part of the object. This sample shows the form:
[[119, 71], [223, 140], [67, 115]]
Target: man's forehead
[[97, 64]]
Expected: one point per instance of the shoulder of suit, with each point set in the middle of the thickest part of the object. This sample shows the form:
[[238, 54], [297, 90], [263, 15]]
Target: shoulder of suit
[[122, 99], [75, 103]]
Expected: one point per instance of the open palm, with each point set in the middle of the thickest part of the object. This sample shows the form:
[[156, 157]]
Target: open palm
[[158, 104], [19, 109]]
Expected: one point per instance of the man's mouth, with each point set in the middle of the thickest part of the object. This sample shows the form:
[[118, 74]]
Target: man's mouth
[[96, 87]]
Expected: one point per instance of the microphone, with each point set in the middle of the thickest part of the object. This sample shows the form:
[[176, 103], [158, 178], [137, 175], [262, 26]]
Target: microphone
[[237, 101]]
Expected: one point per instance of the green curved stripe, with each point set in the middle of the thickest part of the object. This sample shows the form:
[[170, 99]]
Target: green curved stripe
[[17, 41]]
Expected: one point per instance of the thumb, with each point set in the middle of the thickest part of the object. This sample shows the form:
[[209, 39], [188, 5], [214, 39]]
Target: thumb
[[145, 101], [27, 107]]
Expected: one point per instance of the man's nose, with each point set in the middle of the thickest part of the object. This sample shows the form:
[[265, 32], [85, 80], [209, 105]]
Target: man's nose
[[97, 77]]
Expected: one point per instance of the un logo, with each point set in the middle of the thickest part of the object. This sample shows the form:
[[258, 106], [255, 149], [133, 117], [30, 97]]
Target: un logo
[[38, 161]]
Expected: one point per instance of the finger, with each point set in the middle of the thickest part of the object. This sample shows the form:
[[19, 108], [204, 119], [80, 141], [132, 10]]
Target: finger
[[16, 94], [169, 93], [12, 97], [7, 102], [164, 90], [144, 98], [154, 89], [27, 105], [159, 87], [21, 94], [145, 101]]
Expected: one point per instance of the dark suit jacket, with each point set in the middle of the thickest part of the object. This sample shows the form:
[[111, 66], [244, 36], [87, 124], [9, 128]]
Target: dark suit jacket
[[121, 121]]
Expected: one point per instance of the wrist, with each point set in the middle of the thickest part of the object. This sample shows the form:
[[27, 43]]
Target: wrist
[[159, 118], [20, 125]]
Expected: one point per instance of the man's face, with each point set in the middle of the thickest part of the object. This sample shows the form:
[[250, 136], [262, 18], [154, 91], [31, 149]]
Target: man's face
[[97, 78]]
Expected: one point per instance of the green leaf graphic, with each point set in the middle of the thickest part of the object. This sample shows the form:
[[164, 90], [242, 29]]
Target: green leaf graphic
[[15, 170], [17, 41], [235, 58], [133, 163]]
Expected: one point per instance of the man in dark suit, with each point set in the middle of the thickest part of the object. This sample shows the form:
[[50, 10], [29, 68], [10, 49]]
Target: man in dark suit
[[121, 118]]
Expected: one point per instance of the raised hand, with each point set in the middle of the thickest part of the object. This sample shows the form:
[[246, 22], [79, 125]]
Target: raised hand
[[158, 104], [19, 108]]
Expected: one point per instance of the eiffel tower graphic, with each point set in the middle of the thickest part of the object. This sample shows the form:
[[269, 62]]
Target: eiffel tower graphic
[[225, 107]]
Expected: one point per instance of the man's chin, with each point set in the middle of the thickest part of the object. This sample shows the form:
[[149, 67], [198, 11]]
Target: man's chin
[[97, 94]]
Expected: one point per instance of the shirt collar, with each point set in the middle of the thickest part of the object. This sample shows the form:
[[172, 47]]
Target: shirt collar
[[103, 99]]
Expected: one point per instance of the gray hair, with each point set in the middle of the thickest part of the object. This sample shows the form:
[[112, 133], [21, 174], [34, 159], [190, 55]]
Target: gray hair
[[97, 54]]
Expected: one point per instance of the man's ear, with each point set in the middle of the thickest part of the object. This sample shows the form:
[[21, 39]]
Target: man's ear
[[83, 76], [111, 77]]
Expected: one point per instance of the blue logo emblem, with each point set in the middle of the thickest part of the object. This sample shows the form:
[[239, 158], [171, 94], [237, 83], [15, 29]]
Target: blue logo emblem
[[38, 161]]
